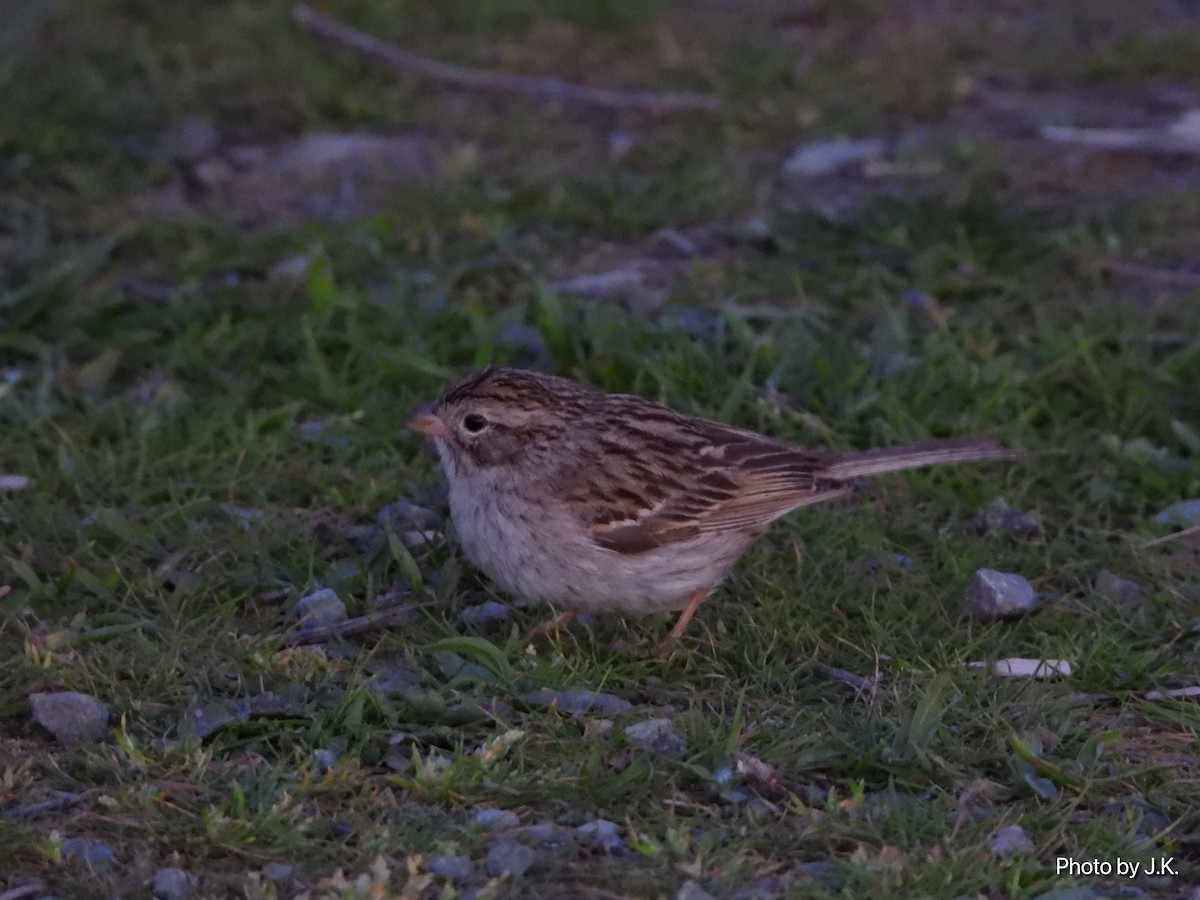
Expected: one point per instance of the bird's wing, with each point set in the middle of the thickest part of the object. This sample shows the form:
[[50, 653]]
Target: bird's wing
[[717, 479]]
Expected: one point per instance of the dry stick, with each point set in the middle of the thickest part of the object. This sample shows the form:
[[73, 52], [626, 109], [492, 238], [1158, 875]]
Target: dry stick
[[392, 616], [401, 60], [1171, 277], [1166, 538]]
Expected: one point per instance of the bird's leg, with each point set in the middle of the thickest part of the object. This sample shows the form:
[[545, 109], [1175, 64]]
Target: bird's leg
[[681, 624], [548, 629]]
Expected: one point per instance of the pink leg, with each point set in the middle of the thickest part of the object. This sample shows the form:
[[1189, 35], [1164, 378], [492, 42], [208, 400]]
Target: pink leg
[[681, 623], [549, 629]]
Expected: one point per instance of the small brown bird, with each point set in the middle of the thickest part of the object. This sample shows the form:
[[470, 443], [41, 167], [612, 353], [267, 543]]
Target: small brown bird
[[597, 502]]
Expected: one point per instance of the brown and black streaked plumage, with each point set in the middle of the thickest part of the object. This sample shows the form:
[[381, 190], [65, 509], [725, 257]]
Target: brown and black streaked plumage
[[593, 501]]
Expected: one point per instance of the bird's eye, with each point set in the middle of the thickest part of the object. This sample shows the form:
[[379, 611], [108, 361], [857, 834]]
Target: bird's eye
[[475, 423]]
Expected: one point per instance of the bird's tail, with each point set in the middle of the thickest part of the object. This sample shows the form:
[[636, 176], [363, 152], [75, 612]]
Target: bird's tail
[[914, 456]]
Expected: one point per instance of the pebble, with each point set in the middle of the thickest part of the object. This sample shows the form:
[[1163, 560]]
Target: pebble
[[322, 607], [488, 613], [507, 857], [999, 516], [825, 157], [1183, 514], [13, 484], [1011, 840], [689, 890], [94, 854], [72, 718], [401, 515], [202, 720], [276, 872], [1118, 590], [173, 884], [325, 760], [578, 701], [495, 819], [55, 800], [993, 595], [656, 736], [457, 868], [602, 835]]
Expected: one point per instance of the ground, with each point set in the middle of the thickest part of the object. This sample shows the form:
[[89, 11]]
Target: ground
[[210, 335]]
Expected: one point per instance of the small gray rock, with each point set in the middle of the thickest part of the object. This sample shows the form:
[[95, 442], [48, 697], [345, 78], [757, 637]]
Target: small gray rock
[[578, 701], [72, 718], [689, 890], [277, 872], [95, 855], [322, 607], [994, 595], [1118, 590], [203, 719], [1183, 514], [1011, 840], [457, 868], [825, 157], [656, 736], [488, 613], [173, 884], [325, 760], [401, 516], [999, 516], [602, 835], [507, 857], [495, 820]]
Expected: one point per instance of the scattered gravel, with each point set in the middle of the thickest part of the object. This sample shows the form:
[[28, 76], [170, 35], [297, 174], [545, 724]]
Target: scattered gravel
[[173, 884], [578, 701], [1010, 841], [72, 718], [656, 736], [94, 854], [320, 608], [994, 595], [457, 868], [494, 820], [507, 857]]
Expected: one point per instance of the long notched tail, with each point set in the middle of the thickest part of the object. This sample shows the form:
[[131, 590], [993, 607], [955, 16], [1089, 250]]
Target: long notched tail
[[914, 456]]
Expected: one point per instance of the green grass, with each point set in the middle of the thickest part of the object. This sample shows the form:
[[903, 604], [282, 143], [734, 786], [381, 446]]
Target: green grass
[[199, 433]]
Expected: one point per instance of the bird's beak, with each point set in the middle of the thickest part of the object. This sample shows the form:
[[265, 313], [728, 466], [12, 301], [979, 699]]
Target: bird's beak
[[426, 422]]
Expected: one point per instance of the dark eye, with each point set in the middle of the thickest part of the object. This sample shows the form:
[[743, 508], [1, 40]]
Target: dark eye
[[474, 423]]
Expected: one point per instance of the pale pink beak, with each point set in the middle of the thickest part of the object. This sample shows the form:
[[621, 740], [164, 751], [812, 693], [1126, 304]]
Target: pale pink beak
[[430, 424]]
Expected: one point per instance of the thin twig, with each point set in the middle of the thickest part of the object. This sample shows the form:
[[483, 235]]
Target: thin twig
[[1187, 532], [402, 60], [1145, 140], [391, 616], [858, 682], [1171, 277]]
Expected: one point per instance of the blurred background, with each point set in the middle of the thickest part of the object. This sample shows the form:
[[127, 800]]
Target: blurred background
[[241, 240]]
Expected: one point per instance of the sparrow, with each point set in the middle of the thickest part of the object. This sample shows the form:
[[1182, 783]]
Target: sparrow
[[596, 502]]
